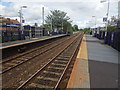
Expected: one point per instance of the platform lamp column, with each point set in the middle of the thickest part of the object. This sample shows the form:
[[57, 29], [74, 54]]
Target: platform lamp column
[[20, 12], [94, 24], [43, 15], [43, 20], [107, 11], [51, 23], [62, 23], [118, 21]]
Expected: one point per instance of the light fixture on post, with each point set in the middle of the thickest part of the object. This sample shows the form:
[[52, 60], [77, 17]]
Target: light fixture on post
[[107, 14], [94, 30], [20, 12]]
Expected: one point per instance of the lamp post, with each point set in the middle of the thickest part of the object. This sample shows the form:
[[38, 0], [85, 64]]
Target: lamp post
[[51, 23], [95, 20], [62, 24], [118, 21], [20, 12], [94, 32], [43, 15], [107, 11]]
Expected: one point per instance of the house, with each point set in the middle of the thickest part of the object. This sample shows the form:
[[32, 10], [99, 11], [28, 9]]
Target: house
[[9, 24]]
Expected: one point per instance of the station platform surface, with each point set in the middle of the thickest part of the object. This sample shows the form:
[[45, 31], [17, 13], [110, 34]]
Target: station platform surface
[[96, 65], [20, 42]]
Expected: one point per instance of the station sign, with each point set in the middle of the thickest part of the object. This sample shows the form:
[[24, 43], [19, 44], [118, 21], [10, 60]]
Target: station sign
[[105, 19]]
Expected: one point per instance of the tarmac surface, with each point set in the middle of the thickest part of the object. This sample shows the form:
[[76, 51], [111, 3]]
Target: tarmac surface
[[103, 64]]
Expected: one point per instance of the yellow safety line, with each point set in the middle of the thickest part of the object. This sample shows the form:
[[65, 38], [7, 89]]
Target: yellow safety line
[[80, 75]]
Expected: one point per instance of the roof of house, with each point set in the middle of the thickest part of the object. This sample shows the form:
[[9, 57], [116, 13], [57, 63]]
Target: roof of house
[[8, 20], [14, 21]]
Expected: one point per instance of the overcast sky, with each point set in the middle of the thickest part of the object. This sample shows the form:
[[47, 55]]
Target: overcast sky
[[80, 11]]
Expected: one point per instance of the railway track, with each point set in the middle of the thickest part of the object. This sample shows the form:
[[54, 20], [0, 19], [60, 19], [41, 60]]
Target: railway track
[[22, 58], [27, 52], [18, 75], [51, 74]]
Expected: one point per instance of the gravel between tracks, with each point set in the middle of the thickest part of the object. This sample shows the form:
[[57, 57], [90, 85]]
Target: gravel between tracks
[[17, 76]]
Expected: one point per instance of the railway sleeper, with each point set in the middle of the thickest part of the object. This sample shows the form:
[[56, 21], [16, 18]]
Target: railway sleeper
[[62, 58], [51, 75], [37, 86], [11, 64], [46, 82], [57, 73], [17, 61], [65, 56], [55, 70], [47, 78], [58, 66], [59, 63]]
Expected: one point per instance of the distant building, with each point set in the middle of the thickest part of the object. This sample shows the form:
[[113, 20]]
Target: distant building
[[33, 31], [10, 29], [9, 24]]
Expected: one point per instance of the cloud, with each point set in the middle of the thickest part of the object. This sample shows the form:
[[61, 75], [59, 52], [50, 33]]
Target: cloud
[[54, 0], [80, 11]]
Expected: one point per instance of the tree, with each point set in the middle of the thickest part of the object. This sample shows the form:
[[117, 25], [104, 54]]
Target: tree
[[111, 28], [75, 27], [36, 24], [67, 27], [57, 19]]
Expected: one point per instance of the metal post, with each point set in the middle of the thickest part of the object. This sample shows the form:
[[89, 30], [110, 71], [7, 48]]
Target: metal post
[[117, 27], [51, 23], [95, 24], [21, 20], [62, 24], [107, 13], [43, 15], [30, 32], [20, 12]]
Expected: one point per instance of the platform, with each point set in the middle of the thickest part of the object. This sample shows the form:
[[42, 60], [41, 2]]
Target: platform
[[21, 42], [96, 65]]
